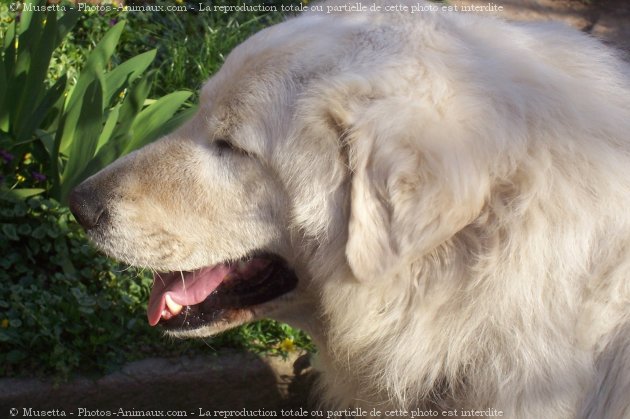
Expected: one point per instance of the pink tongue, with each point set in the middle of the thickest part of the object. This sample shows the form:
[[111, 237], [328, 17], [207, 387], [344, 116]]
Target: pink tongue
[[185, 289]]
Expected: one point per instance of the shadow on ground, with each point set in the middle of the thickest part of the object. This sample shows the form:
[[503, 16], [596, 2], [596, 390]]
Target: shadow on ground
[[228, 381]]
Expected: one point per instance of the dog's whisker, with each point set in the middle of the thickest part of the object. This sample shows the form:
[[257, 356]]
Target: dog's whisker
[[157, 275], [205, 341], [181, 273]]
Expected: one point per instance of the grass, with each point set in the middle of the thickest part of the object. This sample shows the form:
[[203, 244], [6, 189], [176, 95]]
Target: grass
[[194, 46]]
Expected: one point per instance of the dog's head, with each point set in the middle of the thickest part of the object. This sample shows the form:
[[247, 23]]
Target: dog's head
[[310, 156]]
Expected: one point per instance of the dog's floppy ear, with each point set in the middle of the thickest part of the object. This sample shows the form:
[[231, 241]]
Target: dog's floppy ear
[[417, 180]]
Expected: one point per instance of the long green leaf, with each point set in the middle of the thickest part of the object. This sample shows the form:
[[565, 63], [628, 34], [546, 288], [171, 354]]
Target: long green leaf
[[130, 107], [66, 23], [109, 152], [149, 124], [120, 136], [103, 51], [19, 194], [53, 119], [9, 48], [43, 109], [4, 114], [85, 138], [47, 139], [94, 69], [9, 37], [113, 149], [126, 73], [27, 14], [35, 87], [29, 33], [177, 120], [9, 65], [108, 128]]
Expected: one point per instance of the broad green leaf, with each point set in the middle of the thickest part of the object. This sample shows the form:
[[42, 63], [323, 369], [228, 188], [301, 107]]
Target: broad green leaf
[[85, 139], [126, 73], [10, 231], [149, 124]]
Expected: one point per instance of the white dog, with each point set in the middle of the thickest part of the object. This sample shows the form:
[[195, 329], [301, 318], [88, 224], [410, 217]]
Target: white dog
[[442, 201]]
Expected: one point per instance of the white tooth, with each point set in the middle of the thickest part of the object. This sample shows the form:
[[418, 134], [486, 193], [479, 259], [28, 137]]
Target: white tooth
[[174, 308]]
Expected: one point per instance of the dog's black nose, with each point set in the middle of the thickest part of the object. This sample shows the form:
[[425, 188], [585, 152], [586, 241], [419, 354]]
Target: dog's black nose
[[87, 207]]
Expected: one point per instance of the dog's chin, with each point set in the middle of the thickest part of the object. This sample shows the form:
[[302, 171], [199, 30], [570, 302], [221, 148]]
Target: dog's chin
[[226, 320], [229, 319], [215, 298]]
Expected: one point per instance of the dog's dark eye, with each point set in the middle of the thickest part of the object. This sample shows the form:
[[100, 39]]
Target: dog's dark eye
[[224, 146]]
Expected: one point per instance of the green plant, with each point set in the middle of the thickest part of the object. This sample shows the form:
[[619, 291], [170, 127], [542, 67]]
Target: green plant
[[80, 128], [191, 46], [268, 336], [63, 306]]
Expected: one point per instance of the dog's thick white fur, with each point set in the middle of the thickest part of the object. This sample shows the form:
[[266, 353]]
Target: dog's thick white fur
[[453, 192]]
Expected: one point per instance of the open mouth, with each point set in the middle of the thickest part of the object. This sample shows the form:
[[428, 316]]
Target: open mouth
[[191, 299]]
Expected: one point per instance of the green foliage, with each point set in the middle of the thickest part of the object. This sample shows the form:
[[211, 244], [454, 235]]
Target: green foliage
[[63, 306], [74, 92], [78, 128], [269, 337]]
